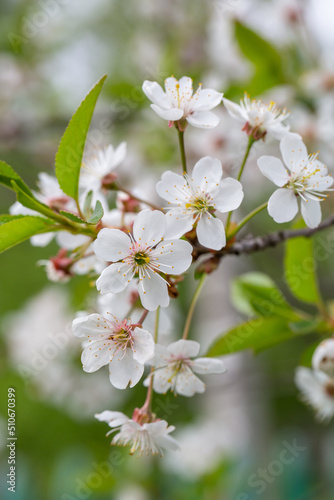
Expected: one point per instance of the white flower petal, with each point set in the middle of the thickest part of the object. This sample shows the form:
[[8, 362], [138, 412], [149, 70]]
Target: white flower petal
[[184, 348], [173, 114], [206, 99], [91, 326], [168, 443], [203, 119], [210, 232], [234, 110], [172, 256], [143, 346], [41, 240], [119, 155], [207, 173], [173, 187], [112, 245], [207, 365], [187, 384], [153, 291], [178, 224], [149, 227], [229, 195], [311, 212], [282, 205], [161, 356], [294, 153], [155, 93], [71, 241], [273, 169], [113, 418], [162, 379], [97, 354], [186, 87], [115, 278], [125, 370]]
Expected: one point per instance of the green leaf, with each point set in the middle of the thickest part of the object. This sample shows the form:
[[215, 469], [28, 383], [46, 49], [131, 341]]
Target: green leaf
[[256, 294], [7, 175], [22, 228], [72, 144], [300, 272], [88, 203], [257, 334], [97, 214], [72, 217], [307, 326], [29, 201], [266, 59], [8, 218]]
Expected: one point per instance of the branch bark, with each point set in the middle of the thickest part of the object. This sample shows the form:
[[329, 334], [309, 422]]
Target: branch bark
[[254, 244]]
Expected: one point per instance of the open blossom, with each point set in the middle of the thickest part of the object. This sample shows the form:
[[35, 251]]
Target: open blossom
[[144, 437], [318, 391], [96, 168], [142, 256], [123, 346], [303, 177], [194, 199], [179, 103], [258, 118], [323, 357], [175, 369]]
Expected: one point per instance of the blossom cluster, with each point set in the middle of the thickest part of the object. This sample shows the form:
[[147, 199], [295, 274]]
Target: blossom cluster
[[141, 252]]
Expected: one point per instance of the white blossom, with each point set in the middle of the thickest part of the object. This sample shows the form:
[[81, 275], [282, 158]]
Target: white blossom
[[303, 177], [146, 437], [318, 391], [194, 199], [323, 357], [258, 118], [144, 256], [179, 103], [175, 369], [123, 346], [98, 166]]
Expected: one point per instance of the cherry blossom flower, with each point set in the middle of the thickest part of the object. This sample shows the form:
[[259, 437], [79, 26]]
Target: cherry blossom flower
[[144, 256], [144, 437], [303, 177], [318, 391], [175, 370], [123, 346], [194, 199], [258, 118], [96, 168], [179, 103], [323, 357]]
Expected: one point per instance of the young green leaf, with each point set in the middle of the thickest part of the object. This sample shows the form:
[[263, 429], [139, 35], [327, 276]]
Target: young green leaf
[[29, 201], [300, 272], [97, 214], [88, 203], [22, 228], [72, 217], [7, 175], [72, 144], [256, 294], [8, 218], [257, 334]]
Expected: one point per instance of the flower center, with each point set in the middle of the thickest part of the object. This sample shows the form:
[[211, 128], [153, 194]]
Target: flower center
[[122, 339], [200, 205], [141, 259]]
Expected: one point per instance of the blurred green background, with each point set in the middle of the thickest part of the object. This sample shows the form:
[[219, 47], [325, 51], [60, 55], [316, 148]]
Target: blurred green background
[[52, 52]]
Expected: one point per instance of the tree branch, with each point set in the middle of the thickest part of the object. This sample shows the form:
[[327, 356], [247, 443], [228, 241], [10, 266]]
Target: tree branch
[[254, 244]]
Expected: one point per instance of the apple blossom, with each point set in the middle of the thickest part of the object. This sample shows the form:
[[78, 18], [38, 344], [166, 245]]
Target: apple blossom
[[323, 357], [179, 103], [144, 437], [303, 177], [123, 346], [258, 118], [97, 167], [175, 370], [193, 200], [144, 256], [318, 391]]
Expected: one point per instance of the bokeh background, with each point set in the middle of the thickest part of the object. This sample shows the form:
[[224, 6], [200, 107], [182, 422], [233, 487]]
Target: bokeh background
[[52, 52]]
